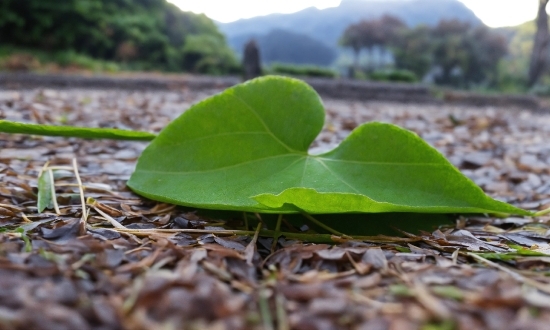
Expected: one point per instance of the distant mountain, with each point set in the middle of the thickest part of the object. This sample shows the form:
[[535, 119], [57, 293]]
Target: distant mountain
[[327, 25], [289, 47]]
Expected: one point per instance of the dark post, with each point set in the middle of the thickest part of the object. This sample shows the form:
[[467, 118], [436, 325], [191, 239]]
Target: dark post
[[540, 47], [251, 60]]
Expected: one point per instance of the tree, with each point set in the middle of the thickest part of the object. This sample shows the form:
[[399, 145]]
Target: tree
[[352, 39], [412, 50], [450, 53], [203, 53], [540, 48], [386, 30], [368, 34], [485, 49]]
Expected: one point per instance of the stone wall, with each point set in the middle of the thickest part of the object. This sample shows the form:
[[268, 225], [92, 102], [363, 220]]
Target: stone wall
[[369, 91], [332, 88]]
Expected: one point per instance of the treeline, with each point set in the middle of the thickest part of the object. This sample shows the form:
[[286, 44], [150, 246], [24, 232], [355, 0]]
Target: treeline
[[452, 52], [143, 34]]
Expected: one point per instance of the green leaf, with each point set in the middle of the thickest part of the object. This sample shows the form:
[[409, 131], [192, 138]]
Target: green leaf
[[246, 149], [448, 291], [7, 126], [25, 238], [45, 192]]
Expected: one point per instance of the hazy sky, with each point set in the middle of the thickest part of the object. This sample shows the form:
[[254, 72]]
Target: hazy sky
[[494, 13]]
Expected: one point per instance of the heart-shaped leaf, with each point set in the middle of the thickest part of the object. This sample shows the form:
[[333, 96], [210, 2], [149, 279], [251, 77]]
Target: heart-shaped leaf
[[246, 149]]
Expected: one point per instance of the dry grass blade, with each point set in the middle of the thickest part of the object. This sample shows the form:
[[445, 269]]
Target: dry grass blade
[[60, 168], [251, 247], [430, 302], [81, 190], [386, 307], [525, 280], [282, 318], [54, 197], [107, 217]]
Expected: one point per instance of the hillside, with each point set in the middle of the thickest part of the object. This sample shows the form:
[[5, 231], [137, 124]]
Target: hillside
[[328, 24], [142, 35]]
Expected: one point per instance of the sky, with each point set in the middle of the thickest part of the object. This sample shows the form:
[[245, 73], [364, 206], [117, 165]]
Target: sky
[[494, 13]]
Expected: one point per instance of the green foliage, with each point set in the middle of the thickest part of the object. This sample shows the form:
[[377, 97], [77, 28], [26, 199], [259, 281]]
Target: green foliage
[[246, 149], [204, 53], [28, 244], [394, 75], [302, 70], [30, 59], [142, 34], [412, 50], [71, 58]]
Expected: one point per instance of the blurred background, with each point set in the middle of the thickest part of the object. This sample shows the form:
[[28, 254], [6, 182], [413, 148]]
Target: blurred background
[[479, 45]]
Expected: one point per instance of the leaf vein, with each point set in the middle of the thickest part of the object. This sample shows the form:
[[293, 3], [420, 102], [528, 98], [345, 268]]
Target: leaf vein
[[380, 163], [338, 177], [268, 130]]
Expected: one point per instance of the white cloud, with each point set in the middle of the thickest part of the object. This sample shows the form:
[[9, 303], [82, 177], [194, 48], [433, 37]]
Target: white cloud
[[492, 12], [227, 11], [497, 13]]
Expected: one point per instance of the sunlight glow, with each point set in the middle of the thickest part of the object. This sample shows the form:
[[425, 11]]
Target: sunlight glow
[[494, 13]]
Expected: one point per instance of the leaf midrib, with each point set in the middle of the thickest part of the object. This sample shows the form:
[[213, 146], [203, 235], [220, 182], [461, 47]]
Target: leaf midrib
[[319, 159], [224, 167]]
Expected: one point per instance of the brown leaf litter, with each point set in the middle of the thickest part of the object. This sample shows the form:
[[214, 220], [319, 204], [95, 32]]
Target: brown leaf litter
[[173, 268]]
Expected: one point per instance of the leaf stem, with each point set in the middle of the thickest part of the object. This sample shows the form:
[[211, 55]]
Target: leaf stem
[[54, 197], [322, 225], [312, 238], [245, 221], [541, 213], [277, 232], [7, 126]]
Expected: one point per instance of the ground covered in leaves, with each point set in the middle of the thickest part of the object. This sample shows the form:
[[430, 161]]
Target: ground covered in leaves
[[167, 267]]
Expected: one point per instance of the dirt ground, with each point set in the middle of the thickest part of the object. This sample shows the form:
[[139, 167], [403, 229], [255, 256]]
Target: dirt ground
[[175, 268]]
